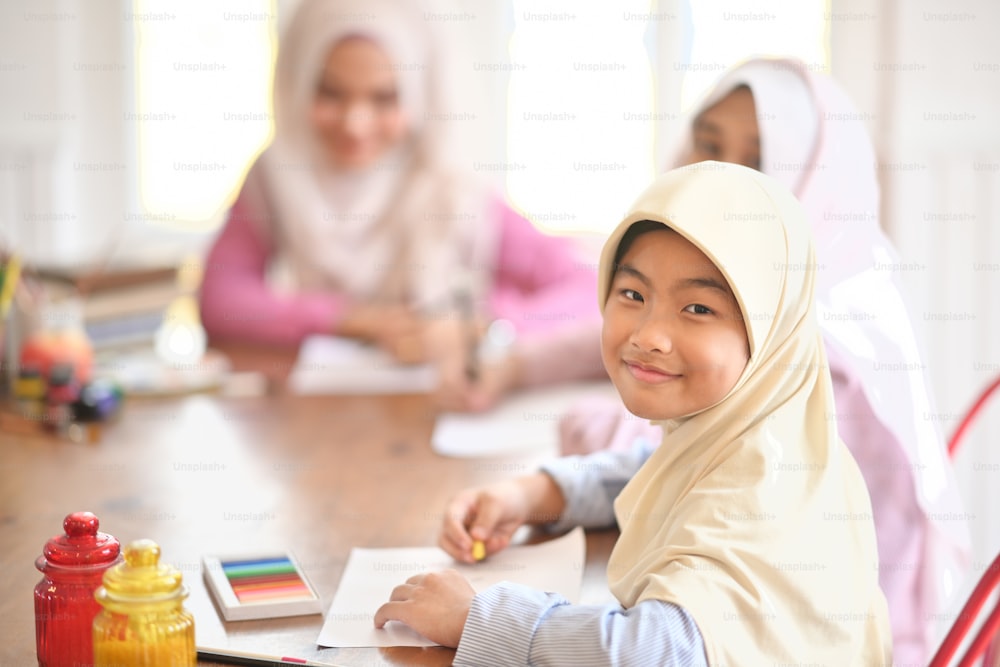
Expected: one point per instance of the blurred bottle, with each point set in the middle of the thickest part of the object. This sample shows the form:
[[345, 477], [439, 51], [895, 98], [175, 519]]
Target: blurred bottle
[[72, 566], [62, 392], [60, 339], [181, 339], [143, 623], [29, 392]]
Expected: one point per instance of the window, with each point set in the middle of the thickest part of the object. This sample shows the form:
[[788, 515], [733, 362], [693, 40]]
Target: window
[[582, 118], [724, 32], [202, 111], [579, 137]]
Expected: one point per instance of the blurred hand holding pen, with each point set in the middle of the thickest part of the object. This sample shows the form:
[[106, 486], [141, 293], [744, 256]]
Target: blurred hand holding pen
[[463, 302], [478, 367]]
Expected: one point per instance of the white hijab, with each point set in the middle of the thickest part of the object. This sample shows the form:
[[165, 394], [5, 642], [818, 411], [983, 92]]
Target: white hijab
[[814, 141], [751, 514], [409, 229]]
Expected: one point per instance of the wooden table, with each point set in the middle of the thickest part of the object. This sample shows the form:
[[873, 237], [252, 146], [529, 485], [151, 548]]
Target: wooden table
[[210, 475]]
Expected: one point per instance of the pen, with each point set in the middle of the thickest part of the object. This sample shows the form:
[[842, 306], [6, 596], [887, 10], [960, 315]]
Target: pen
[[244, 658], [464, 299]]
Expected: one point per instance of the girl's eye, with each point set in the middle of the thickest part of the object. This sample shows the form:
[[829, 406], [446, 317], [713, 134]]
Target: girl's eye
[[706, 147], [631, 295], [385, 100], [698, 309], [328, 93]]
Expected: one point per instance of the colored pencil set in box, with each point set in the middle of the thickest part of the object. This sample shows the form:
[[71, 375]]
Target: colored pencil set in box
[[260, 587]]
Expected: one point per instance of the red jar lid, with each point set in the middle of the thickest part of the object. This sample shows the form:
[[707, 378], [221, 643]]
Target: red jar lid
[[83, 544]]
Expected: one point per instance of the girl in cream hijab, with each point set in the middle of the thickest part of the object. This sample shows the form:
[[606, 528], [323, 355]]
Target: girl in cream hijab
[[798, 126], [361, 218], [746, 536]]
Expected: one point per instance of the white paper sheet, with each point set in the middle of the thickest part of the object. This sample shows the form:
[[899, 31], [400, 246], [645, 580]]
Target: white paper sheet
[[371, 574], [333, 365], [525, 423]]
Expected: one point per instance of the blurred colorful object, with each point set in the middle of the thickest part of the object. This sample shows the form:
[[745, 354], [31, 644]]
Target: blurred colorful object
[[10, 274]]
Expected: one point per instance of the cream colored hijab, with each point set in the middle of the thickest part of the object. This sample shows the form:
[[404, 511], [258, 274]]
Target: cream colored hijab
[[813, 141], [403, 230], [752, 515]]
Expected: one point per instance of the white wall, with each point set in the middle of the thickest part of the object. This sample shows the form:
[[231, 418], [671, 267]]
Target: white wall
[[68, 172], [64, 169], [929, 72]]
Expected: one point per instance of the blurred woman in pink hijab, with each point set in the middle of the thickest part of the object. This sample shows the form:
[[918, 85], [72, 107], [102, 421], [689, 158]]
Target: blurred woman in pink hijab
[[777, 116], [363, 218]]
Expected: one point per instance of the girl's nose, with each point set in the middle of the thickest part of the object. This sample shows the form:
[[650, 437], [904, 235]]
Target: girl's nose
[[357, 120], [653, 334]]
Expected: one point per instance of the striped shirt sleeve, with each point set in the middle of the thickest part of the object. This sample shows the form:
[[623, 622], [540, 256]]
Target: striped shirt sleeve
[[510, 624], [591, 483]]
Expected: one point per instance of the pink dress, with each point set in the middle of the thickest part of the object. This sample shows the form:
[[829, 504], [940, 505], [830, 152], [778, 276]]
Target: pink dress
[[539, 285]]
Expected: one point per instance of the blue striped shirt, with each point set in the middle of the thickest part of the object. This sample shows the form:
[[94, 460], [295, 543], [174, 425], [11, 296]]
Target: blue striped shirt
[[510, 624]]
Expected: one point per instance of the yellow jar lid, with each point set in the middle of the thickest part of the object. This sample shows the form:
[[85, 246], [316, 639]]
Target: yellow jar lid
[[141, 576]]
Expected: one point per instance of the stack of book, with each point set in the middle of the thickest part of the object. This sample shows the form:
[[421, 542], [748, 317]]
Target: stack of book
[[121, 306]]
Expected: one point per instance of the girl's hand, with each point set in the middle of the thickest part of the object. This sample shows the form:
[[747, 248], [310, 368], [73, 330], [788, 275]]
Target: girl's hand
[[394, 328], [468, 382], [434, 604], [491, 514], [488, 514], [458, 392]]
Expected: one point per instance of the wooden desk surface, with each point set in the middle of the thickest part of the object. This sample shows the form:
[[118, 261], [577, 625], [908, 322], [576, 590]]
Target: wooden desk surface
[[209, 475]]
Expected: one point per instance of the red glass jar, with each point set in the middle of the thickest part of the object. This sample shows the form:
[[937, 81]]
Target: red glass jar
[[72, 567]]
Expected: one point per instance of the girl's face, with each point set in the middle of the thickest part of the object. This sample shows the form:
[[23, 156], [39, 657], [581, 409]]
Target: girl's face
[[356, 112], [673, 340], [728, 131]]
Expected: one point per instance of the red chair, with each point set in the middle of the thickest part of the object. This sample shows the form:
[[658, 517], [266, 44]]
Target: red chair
[[970, 416], [986, 641], [967, 617]]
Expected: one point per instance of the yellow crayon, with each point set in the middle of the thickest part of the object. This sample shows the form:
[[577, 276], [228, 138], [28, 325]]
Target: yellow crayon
[[478, 550]]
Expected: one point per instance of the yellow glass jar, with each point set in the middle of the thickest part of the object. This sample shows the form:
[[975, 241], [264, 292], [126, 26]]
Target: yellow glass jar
[[143, 621]]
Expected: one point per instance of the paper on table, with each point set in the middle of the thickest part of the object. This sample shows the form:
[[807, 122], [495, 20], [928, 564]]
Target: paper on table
[[333, 365], [371, 574], [142, 372], [524, 423]]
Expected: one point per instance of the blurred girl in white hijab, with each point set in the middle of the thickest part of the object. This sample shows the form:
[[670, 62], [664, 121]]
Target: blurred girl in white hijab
[[777, 116], [361, 218]]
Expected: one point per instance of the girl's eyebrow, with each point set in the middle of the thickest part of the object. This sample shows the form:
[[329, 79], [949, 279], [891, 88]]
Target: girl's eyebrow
[[710, 127], [632, 271], [706, 125], [709, 282], [706, 281]]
